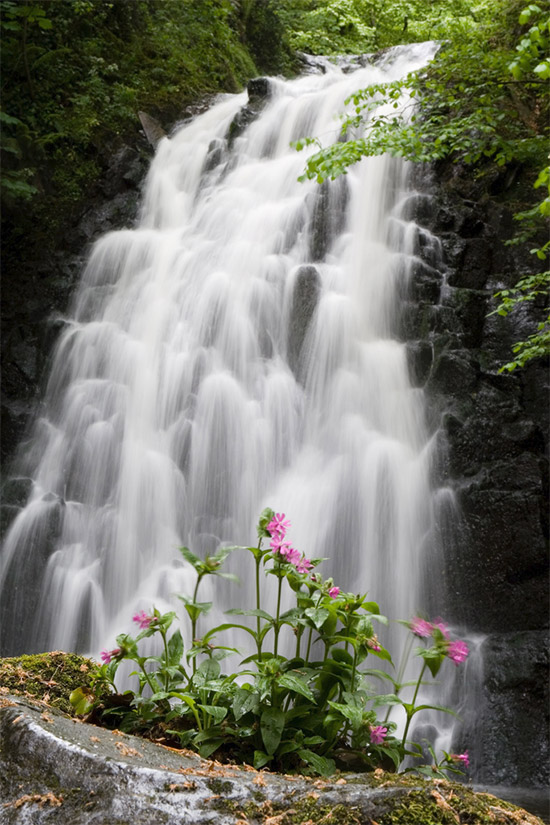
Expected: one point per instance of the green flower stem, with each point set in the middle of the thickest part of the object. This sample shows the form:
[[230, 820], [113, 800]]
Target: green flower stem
[[353, 669], [410, 712], [299, 634], [309, 644], [277, 626], [258, 560], [163, 634], [147, 677], [402, 666], [194, 621]]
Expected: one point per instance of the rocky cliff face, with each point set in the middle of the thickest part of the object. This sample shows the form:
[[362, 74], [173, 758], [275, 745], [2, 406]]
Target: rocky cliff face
[[494, 431], [37, 285]]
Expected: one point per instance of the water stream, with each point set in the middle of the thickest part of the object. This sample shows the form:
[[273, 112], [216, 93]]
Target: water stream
[[236, 350]]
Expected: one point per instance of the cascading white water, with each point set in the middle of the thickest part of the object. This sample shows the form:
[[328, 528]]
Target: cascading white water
[[234, 351]]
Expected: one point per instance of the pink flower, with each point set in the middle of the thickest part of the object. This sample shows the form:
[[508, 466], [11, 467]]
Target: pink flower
[[461, 757], [457, 652], [278, 545], [442, 627], [374, 644], [333, 592], [292, 556], [107, 655], [278, 526], [378, 734], [142, 619], [304, 565], [420, 627]]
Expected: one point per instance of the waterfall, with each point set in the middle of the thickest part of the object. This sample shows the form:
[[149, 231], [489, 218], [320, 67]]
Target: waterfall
[[237, 349]]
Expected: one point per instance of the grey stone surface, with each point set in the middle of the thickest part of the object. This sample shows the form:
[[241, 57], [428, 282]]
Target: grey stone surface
[[103, 776], [56, 769]]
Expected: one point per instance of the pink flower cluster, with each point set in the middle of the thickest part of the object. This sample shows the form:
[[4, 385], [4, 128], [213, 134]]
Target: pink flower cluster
[[277, 527], [457, 651]]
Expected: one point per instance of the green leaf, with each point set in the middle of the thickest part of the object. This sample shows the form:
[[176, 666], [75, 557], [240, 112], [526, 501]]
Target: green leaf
[[206, 672], [245, 701], [261, 759], [197, 563], [266, 516], [341, 655], [353, 714], [218, 713], [208, 748], [321, 764], [272, 723], [236, 611], [318, 615], [296, 685], [82, 700], [194, 609], [175, 649], [228, 626]]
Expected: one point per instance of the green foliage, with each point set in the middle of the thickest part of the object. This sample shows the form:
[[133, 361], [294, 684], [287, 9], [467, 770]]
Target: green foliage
[[310, 713], [75, 73], [354, 26], [469, 106]]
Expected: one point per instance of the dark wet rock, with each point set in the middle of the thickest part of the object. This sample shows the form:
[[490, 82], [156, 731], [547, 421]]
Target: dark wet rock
[[152, 128], [419, 361], [56, 769], [259, 92], [327, 217], [515, 667], [215, 155], [305, 298]]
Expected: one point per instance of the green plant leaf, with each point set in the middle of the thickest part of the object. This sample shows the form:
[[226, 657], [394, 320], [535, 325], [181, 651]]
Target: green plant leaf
[[353, 714], [245, 701], [218, 713], [82, 700], [318, 615], [197, 563], [296, 685], [228, 626], [236, 611], [272, 723], [321, 764], [341, 655], [209, 747], [175, 649], [261, 759], [207, 671], [266, 516]]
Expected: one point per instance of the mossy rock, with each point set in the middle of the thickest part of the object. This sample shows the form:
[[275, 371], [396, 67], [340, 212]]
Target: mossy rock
[[49, 677]]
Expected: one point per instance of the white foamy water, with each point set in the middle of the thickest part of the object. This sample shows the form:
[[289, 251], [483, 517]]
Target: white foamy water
[[192, 387]]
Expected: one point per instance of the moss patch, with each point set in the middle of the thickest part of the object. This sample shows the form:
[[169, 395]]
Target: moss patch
[[49, 677], [448, 803]]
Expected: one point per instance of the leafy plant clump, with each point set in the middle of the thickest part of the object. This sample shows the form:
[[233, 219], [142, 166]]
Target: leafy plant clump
[[314, 711]]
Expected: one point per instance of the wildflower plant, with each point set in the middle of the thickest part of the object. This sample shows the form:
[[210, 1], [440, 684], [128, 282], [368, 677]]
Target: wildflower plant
[[313, 711]]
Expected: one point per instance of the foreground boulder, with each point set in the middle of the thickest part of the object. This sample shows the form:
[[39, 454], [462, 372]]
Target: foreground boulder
[[56, 769]]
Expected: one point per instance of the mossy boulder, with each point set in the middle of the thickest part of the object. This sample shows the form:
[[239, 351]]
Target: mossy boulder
[[48, 677]]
